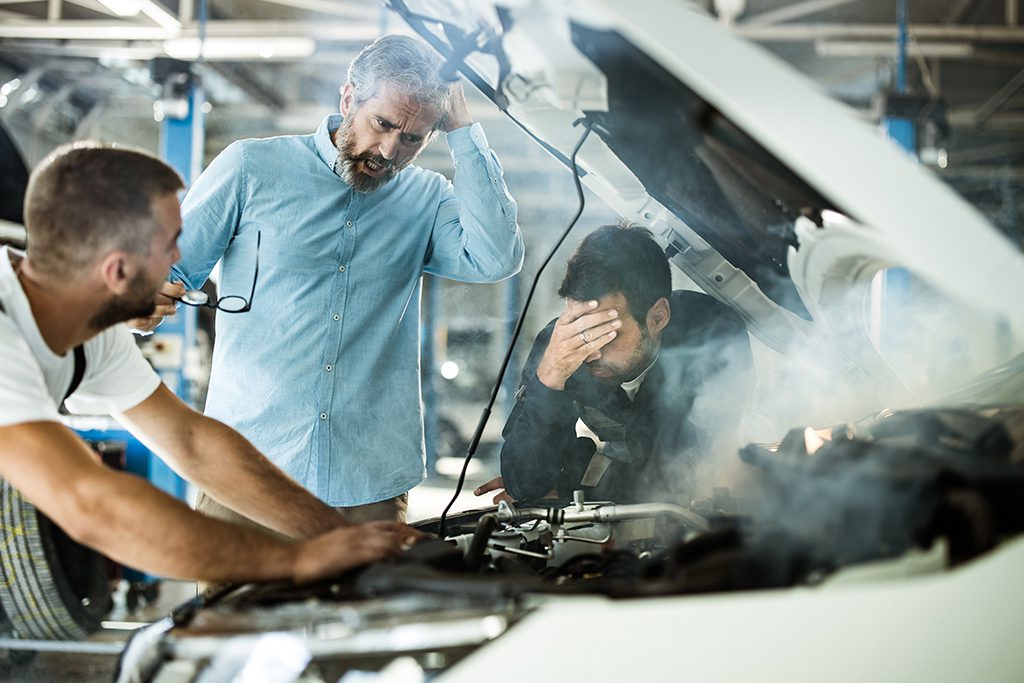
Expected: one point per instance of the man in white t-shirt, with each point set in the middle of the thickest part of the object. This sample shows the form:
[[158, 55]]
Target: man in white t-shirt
[[103, 225]]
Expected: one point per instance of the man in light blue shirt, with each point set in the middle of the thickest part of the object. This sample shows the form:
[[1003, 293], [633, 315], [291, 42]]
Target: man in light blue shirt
[[323, 373]]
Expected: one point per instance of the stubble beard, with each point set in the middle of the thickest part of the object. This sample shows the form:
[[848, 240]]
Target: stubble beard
[[637, 362], [123, 308]]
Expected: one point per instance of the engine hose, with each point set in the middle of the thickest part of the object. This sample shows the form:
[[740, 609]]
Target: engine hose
[[484, 528]]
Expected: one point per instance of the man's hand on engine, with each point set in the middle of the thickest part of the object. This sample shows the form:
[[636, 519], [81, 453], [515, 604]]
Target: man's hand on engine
[[495, 484], [350, 546], [165, 306], [579, 336]]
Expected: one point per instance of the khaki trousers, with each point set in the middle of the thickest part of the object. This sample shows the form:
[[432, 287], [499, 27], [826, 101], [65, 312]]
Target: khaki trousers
[[392, 509]]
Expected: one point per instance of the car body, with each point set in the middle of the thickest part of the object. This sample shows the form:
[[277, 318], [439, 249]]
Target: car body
[[775, 199]]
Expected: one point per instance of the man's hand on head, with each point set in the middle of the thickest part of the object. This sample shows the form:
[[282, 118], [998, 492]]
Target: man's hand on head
[[458, 111], [579, 336], [165, 307]]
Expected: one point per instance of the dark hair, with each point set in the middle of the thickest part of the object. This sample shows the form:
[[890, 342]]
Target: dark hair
[[86, 198], [618, 259], [403, 62]]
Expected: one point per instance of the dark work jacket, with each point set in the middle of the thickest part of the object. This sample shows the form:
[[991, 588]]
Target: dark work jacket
[[691, 399]]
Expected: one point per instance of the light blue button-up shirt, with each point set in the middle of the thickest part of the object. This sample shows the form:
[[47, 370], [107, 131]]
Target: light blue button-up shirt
[[323, 374]]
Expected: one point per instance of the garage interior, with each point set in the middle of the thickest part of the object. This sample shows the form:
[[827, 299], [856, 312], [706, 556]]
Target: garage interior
[[124, 71]]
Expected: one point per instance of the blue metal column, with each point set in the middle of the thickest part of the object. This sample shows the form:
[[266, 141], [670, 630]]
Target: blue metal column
[[895, 294], [901, 131], [181, 145], [181, 139]]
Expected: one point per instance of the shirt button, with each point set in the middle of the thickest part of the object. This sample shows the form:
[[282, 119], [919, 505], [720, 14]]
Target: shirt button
[[328, 367], [341, 269], [348, 224], [323, 416], [337, 317]]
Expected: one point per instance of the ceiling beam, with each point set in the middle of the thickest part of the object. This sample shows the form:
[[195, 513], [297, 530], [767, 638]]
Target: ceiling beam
[[790, 12], [244, 79], [813, 32], [140, 50], [125, 30], [368, 30], [987, 153], [1004, 94], [1003, 122], [334, 7], [960, 10]]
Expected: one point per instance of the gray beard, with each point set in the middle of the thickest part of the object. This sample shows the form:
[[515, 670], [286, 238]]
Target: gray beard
[[347, 160]]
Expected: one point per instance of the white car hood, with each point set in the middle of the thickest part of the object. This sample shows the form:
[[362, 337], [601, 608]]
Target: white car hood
[[777, 199]]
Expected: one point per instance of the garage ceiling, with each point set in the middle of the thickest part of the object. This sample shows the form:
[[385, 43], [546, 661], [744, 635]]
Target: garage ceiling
[[285, 59]]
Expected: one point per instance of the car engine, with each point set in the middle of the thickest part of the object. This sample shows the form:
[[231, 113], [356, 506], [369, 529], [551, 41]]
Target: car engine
[[927, 488]]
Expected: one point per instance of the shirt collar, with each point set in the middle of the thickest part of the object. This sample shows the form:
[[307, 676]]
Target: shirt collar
[[633, 386], [322, 138]]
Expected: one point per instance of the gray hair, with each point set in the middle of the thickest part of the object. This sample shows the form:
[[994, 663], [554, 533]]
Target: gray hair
[[404, 63], [87, 198]]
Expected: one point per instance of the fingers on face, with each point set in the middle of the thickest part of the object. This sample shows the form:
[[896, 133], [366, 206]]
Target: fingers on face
[[575, 309], [593, 344], [602, 334], [589, 327], [593, 321]]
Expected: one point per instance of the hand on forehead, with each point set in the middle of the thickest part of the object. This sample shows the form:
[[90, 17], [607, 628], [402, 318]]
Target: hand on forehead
[[577, 308]]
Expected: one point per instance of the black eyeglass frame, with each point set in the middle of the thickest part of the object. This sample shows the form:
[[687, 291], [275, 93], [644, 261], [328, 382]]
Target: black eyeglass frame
[[218, 305]]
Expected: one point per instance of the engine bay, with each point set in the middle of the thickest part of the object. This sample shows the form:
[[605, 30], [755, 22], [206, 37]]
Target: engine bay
[[909, 492]]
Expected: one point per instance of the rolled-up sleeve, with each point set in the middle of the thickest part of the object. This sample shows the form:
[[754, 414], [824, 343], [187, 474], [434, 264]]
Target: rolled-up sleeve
[[211, 212], [475, 237]]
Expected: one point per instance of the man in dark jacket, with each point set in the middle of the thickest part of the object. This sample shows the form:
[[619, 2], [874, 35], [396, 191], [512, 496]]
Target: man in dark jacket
[[632, 389]]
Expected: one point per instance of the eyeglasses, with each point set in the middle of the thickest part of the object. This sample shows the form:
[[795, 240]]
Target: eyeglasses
[[232, 303]]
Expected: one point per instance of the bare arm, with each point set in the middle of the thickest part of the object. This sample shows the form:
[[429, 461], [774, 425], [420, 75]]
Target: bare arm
[[227, 467], [132, 522]]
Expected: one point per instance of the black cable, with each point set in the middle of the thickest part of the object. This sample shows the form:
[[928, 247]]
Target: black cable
[[474, 443]]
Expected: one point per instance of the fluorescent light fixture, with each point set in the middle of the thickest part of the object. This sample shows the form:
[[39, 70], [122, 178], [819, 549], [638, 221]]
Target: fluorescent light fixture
[[122, 8], [241, 48], [882, 48]]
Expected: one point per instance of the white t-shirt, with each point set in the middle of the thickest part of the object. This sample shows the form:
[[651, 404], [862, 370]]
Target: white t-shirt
[[33, 379]]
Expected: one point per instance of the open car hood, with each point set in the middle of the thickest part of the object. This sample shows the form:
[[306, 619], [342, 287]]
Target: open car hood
[[774, 198]]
